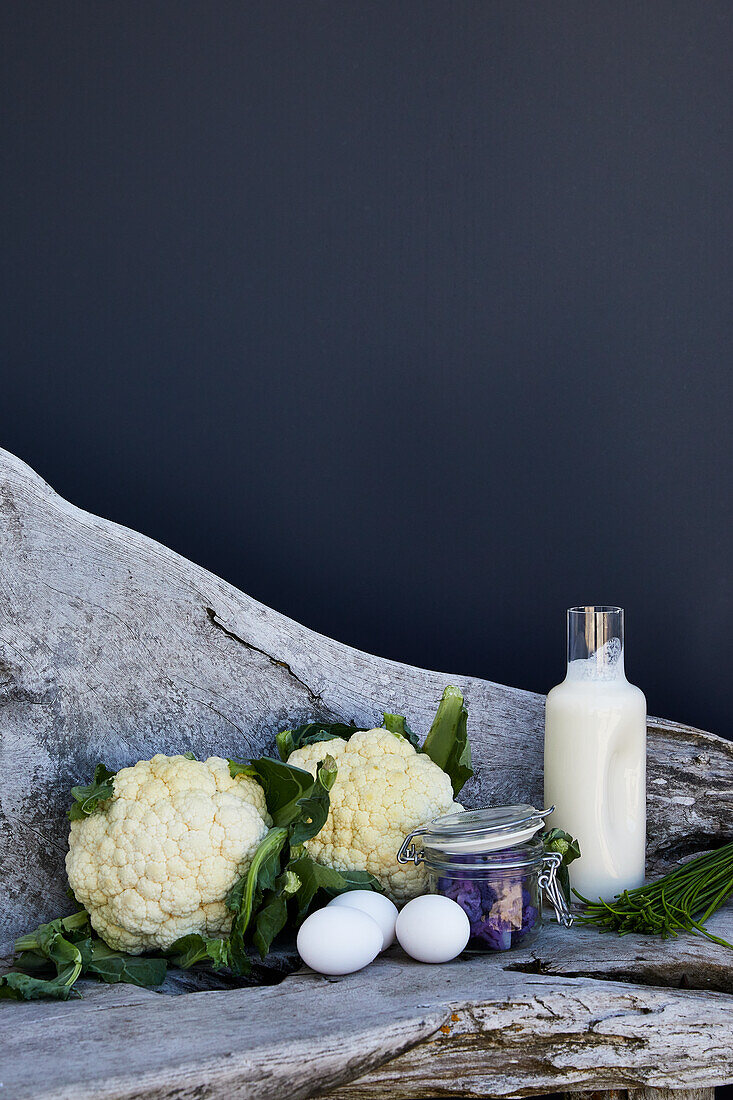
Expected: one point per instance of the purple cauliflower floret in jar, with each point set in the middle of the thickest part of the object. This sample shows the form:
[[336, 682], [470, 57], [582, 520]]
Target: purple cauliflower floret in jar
[[529, 920], [470, 899], [500, 912], [503, 917], [495, 934]]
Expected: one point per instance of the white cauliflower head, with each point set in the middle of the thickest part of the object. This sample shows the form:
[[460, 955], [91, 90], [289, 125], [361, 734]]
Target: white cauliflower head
[[158, 859], [384, 789]]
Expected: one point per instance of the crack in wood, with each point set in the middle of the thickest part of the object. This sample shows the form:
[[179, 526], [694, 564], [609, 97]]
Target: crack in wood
[[315, 696], [622, 976]]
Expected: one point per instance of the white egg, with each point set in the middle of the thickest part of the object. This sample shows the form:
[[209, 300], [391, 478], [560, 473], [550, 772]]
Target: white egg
[[433, 929], [377, 906], [338, 940]]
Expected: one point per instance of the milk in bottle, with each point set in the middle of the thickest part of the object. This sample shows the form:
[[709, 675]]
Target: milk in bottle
[[595, 756]]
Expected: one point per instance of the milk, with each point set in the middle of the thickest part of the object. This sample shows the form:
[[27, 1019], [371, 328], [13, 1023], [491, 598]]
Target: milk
[[595, 757]]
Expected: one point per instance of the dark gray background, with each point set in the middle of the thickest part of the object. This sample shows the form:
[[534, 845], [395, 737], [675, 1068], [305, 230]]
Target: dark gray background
[[412, 319]]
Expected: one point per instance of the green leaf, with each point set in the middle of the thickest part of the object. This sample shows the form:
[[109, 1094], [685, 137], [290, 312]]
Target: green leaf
[[261, 876], [187, 951], [190, 950], [311, 733], [396, 724], [46, 948], [241, 767], [447, 742], [69, 947], [313, 807], [284, 786], [22, 987], [558, 841], [555, 840], [87, 799], [273, 914], [245, 898], [294, 798], [40, 939], [30, 962], [271, 919], [66, 956], [285, 744], [315, 876], [116, 966]]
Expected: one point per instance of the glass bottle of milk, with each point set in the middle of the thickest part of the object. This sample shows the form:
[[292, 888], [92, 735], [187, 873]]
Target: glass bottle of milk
[[595, 756]]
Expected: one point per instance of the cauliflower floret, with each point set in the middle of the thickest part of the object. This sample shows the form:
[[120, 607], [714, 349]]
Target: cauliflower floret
[[158, 859], [384, 789]]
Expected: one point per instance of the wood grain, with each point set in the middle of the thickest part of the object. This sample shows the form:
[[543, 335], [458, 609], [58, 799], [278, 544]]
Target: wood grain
[[640, 1094], [472, 1028]]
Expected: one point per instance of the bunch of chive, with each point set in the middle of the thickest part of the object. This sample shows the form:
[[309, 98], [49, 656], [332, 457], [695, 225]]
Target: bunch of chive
[[682, 900]]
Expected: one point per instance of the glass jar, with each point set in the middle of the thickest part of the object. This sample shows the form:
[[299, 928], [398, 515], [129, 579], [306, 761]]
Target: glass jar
[[495, 866]]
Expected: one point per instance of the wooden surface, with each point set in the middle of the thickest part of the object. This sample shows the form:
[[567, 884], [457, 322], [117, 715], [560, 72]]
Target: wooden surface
[[522, 1023], [641, 1094], [113, 647]]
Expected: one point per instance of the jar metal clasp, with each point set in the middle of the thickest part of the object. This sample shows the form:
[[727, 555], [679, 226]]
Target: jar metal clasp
[[408, 852], [548, 881]]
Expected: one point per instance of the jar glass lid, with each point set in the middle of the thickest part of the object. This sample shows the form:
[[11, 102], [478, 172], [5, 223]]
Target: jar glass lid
[[483, 830]]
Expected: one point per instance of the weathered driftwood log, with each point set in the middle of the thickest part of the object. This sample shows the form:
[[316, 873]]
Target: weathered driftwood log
[[113, 647], [565, 1032], [399, 1029], [640, 1094]]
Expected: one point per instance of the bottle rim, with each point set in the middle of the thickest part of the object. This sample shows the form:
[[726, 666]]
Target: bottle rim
[[596, 609]]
